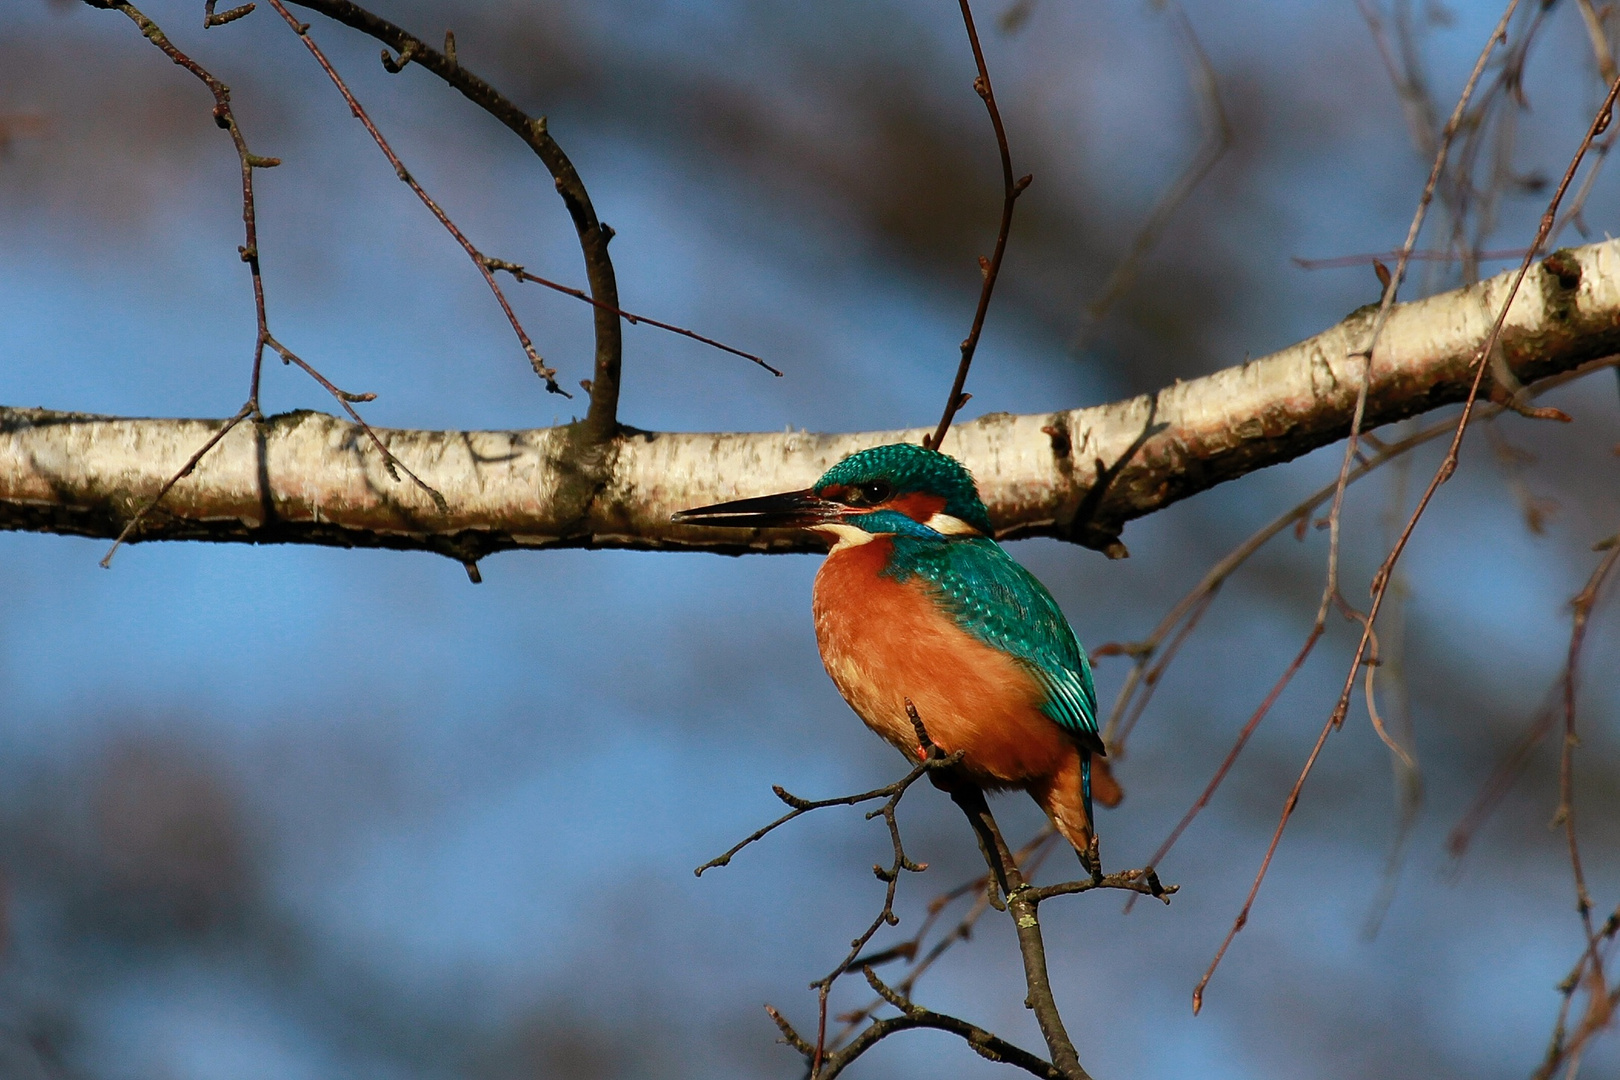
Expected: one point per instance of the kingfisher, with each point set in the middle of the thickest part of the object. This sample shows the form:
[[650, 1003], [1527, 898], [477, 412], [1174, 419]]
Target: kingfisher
[[917, 602]]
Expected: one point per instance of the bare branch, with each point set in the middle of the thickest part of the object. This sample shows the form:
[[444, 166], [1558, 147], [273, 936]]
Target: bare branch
[[1023, 905], [1028, 857], [1183, 617], [297, 478], [804, 806], [1381, 580], [1339, 262], [549, 375], [1563, 1048], [601, 422], [523, 275], [988, 1046], [225, 117], [991, 267]]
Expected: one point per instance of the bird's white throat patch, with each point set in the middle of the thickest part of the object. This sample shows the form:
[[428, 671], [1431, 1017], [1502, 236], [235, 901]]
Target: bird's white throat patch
[[848, 536], [946, 525]]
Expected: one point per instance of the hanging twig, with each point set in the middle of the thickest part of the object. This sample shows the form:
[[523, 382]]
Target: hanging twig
[[1448, 465]]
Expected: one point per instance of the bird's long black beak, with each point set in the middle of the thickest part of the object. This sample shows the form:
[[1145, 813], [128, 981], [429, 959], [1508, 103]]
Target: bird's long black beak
[[790, 509]]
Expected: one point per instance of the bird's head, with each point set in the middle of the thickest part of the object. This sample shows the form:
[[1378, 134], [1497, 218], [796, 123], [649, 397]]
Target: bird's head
[[900, 488]]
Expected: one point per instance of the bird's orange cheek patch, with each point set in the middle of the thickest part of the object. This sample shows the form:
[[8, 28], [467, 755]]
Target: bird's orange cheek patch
[[916, 505]]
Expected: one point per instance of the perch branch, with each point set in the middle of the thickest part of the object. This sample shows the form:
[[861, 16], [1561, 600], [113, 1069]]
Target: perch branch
[[298, 478]]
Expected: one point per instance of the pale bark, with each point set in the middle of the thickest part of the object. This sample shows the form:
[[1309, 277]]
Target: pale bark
[[311, 478]]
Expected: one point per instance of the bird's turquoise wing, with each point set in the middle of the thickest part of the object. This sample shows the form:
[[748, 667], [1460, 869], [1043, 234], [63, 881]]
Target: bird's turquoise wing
[[1002, 604]]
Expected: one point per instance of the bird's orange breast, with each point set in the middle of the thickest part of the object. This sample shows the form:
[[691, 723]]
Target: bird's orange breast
[[884, 640]]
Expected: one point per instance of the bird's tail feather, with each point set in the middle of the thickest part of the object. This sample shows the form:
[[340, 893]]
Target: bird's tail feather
[[1085, 788]]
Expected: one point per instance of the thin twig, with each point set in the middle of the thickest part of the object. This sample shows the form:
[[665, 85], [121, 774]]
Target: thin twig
[[986, 1045], [1149, 668], [1029, 857], [210, 20], [1448, 465], [1607, 72], [1417, 103], [1340, 261], [185, 470], [804, 806], [546, 373], [1191, 606], [601, 420], [1406, 772], [225, 118], [1023, 906], [344, 398], [1232, 756], [486, 264], [1502, 778], [1216, 141], [991, 267], [1601, 1006], [1392, 288], [827, 1058], [1582, 606], [932, 759], [1330, 589], [579, 294]]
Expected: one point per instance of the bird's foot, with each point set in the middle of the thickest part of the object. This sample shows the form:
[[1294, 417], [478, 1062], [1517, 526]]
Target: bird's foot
[[1091, 861]]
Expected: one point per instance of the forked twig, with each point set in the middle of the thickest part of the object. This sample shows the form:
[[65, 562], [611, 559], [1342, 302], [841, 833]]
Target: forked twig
[[225, 118], [1143, 680], [391, 463], [548, 374], [1602, 1002], [827, 1058], [800, 807], [1029, 858], [486, 264], [1563, 1049], [601, 420]]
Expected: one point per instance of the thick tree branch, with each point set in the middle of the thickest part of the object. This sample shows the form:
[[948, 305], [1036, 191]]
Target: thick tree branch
[[311, 478]]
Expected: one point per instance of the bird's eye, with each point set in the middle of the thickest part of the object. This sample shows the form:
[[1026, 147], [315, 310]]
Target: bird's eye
[[873, 492]]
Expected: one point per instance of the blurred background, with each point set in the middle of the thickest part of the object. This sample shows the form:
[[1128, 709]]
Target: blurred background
[[308, 813]]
